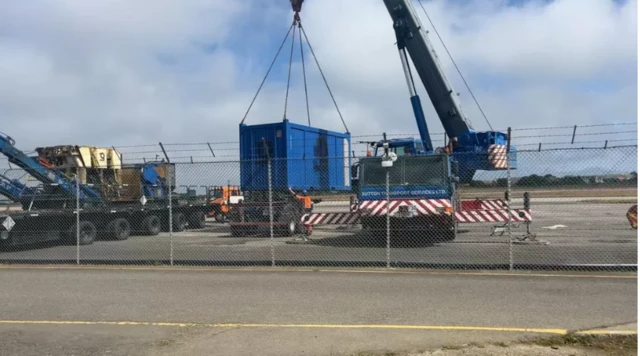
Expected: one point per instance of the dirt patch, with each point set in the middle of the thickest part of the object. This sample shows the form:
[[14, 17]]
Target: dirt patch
[[609, 201], [565, 345], [616, 345]]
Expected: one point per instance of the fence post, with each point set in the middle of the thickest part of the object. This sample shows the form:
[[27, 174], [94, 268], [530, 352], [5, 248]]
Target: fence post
[[77, 220], [271, 242], [170, 194], [388, 248], [509, 199]]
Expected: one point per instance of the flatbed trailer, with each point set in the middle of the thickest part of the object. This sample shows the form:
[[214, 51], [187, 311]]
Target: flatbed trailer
[[116, 222], [249, 216]]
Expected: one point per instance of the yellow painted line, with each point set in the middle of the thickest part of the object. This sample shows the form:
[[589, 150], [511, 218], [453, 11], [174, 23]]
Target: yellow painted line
[[626, 275], [298, 326], [323, 326]]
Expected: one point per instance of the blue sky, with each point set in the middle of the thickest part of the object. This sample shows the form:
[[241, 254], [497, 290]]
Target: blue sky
[[121, 74]]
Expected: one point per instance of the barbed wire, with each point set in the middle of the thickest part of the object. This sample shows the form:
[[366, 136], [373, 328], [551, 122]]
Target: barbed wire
[[407, 134], [164, 150], [199, 143], [159, 151], [581, 134], [572, 126]]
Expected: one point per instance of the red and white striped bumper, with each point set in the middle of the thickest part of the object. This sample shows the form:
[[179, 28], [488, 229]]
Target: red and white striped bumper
[[470, 211], [498, 156]]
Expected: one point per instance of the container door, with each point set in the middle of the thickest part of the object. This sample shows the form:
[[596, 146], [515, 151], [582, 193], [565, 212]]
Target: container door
[[296, 158], [321, 161]]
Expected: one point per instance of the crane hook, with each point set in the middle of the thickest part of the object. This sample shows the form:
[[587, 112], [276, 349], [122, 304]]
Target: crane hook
[[296, 5]]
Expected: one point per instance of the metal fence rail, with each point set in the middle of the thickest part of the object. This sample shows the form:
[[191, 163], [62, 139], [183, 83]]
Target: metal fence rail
[[557, 210]]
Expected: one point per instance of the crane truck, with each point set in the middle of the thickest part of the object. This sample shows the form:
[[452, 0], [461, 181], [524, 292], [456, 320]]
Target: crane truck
[[423, 180], [140, 204]]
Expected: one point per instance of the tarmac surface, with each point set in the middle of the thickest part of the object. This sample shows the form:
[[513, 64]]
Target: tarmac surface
[[570, 234], [181, 311]]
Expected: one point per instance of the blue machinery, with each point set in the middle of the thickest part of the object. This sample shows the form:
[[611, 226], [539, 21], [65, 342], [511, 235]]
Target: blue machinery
[[470, 149], [56, 184], [16, 191], [47, 175]]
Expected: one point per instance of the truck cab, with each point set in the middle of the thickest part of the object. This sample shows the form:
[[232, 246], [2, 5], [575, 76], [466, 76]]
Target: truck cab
[[401, 147], [422, 193], [221, 197]]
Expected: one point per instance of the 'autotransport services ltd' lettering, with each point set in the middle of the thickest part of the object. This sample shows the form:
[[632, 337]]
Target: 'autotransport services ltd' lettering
[[419, 192]]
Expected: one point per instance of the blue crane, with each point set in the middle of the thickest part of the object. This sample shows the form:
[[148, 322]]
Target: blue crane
[[48, 175], [472, 150], [16, 190]]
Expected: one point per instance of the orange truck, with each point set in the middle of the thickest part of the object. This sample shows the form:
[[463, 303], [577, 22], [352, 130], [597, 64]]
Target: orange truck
[[221, 197]]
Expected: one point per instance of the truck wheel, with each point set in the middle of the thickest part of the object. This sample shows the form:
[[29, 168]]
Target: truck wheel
[[291, 217], [449, 235], [197, 220], [179, 222], [119, 229], [151, 225], [88, 232], [219, 216], [292, 228], [237, 231]]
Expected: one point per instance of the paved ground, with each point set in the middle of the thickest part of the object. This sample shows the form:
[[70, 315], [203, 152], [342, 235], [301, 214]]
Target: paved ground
[[202, 312], [577, 235]]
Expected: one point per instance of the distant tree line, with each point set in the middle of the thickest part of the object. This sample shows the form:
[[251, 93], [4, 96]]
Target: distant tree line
[[549, 180]]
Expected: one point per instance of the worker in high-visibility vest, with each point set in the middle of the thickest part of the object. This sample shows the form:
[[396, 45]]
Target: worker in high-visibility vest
[[305, 199]]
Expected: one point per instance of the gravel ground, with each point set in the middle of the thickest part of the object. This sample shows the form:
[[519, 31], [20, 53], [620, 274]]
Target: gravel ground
[[518, 350]]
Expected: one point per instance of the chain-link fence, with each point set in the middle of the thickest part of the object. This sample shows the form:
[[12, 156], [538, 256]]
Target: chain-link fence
[[555, 209]]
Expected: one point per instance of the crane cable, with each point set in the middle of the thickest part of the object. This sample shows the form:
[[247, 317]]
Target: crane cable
[[296, 22], [304, 33], [297, 7], [293, 42], [266, 75], [304, 76], [455, 65]]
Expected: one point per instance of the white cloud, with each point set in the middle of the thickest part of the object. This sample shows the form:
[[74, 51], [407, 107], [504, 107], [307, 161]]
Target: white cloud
[[127, 73]]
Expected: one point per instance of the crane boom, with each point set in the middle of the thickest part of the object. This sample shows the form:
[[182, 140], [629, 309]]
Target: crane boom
[[412, 37], [470, 149]]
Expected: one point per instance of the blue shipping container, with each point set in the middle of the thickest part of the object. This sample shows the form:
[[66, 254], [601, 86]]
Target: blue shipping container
[[303, 157]]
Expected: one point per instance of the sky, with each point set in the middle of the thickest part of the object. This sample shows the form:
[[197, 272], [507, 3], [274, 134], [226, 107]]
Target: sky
[[124, 74]]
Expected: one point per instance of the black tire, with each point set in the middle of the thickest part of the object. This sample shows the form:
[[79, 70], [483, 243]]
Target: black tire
[[450, 236], [119, 229], [291, 216], [88, 233], [179, 222], [291, 228], [197, 220], [450, 233], [151, 225], [237, 231], [219, 216]]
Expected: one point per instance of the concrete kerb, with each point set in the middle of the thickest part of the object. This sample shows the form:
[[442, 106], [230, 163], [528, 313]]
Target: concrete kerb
[[302, 269]]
